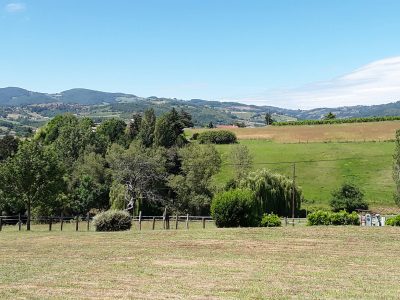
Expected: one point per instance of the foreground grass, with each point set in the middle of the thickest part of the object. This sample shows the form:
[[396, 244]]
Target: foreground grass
[[369, 166], [283, 263]]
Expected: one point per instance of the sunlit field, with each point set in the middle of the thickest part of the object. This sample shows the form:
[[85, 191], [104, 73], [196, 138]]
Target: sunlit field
[[323, 167], [373, 131], [260, 263]]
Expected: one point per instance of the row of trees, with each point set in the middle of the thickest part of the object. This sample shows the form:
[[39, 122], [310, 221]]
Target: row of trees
[[71, 166], [331, 119]]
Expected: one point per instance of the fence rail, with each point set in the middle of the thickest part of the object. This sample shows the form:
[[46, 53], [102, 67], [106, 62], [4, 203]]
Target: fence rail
[[19, 221], [84, 223]]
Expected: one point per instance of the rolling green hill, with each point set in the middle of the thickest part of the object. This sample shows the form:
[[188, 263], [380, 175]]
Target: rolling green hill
[[322, 167]]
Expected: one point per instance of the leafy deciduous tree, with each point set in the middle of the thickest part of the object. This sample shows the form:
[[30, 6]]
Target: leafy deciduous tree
[[32, 178], [140, 169], [193, 184], [241, 160], [349, 198]]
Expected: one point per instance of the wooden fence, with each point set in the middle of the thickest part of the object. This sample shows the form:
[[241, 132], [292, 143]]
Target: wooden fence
[[84, 222]]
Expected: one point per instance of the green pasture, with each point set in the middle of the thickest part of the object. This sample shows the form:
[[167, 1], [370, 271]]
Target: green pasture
[[322, 167]]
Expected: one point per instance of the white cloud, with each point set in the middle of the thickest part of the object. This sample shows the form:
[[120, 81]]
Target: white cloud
[[374, 83], [15, 7]]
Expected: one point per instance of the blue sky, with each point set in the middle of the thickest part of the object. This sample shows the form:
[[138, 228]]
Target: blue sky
[[282, 53]]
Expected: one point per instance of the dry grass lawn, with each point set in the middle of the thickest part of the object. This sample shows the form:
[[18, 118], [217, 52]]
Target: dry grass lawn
[[374, 131], [259, 263]]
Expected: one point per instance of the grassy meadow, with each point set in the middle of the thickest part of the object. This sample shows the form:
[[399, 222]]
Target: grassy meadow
[[361, 153], [368, 164], [254, 263]]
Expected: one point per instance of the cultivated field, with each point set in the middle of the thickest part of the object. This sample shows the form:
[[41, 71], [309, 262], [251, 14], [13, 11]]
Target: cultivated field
[[374, 131], [259, 263]]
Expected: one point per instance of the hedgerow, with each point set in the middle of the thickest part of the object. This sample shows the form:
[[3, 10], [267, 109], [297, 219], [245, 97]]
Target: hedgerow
[[217, 137], [395, 221], [337, 121], [333, 218]]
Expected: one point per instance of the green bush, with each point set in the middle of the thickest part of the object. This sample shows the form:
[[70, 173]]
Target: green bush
[[349, 198], [270, 220], [112, 220], [217, 137], [319, 218], [345, 218], [395, 221], [333, 218], [195, 136], [235, 208]]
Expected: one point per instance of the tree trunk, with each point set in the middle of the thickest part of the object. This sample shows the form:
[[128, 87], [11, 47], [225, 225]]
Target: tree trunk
[[28, 221]]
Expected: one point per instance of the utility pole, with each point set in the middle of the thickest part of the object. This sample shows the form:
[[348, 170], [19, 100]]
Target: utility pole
[[293, 191]]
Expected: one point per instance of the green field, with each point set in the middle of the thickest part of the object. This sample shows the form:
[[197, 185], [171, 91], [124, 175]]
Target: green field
[[256, 263], [368, 164]]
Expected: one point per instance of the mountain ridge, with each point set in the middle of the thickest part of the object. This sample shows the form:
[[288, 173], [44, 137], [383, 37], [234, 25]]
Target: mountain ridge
[[16, 96]]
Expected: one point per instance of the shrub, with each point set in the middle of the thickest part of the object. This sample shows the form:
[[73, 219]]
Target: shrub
[[345, 218], [270, 220], [195, 136], [235, 208], [395, 221], [112, 220], [217, 137], [333, 218], [349, 198], [319, 218]]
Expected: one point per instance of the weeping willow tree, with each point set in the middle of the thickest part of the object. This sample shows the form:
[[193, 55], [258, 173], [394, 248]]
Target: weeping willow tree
[[274, 192]]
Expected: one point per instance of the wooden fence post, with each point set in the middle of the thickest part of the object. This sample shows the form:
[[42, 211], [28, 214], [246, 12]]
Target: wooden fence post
[[286, 221], [204, 223], [140, 220], [176, 221], [167, 221], [19, 222], [77, 223], [88, 221], [187, 221], [62, 221], [154, 222], [50, 223], [164, 218]]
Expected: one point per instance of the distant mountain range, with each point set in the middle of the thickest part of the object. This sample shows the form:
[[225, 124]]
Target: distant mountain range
[[91, 102]]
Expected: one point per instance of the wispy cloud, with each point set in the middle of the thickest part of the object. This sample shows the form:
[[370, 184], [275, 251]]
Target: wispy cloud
[[374, 83], [15, 7]]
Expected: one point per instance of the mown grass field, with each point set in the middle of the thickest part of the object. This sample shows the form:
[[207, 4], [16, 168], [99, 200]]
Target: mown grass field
[[368, 164], [373, 131], [258, 263]]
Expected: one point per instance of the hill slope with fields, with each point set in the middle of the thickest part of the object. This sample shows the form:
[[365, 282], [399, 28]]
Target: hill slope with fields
[[361, 153]]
